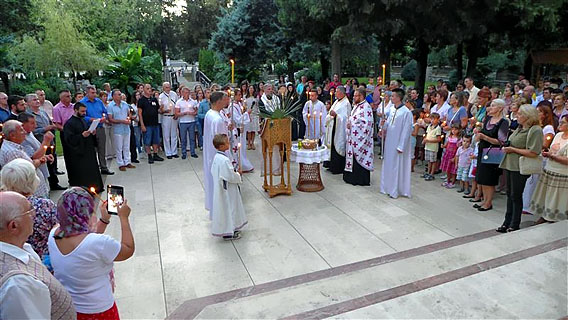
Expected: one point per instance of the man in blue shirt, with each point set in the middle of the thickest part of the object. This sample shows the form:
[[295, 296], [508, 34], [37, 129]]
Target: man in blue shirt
[[97, 110], [119, 116]]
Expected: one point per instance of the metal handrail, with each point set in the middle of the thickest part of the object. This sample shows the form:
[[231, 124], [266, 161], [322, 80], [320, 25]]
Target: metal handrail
[[202, 78]]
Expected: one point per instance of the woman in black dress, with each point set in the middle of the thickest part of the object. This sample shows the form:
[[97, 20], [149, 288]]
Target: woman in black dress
[[493, 134]]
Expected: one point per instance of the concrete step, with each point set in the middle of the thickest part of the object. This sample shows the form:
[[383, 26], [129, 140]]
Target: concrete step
[[373, 291]]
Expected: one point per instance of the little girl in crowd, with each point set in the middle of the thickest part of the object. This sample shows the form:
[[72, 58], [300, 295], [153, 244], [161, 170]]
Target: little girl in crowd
[[448, 163], [463, 161]]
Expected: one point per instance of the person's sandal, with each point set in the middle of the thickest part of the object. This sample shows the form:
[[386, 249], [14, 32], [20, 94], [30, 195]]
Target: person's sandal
[[467, 196], [512, 229], [502, 229], [473, 200]]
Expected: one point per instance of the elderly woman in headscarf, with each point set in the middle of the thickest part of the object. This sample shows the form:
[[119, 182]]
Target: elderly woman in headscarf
[[83, 260]]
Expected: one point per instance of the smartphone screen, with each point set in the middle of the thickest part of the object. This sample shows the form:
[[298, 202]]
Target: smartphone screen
[[115, 198]]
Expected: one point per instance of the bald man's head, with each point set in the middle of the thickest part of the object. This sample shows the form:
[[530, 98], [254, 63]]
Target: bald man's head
[[16, 218]]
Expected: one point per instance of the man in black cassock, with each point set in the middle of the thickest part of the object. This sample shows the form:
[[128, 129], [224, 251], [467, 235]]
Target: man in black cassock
[[79, 151]]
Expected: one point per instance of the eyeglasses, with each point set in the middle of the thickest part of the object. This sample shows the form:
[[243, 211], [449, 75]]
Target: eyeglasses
[[31, 212]]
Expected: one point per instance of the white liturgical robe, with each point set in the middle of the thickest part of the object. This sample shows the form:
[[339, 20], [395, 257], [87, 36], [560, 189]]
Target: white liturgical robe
[[228, 212], [395, 176], [342, 109], [316, 113], [213, 124], [241, 120]]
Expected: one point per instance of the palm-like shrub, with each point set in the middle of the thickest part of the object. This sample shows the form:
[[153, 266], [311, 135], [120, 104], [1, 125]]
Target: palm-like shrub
[[287, 108], [131, 66]]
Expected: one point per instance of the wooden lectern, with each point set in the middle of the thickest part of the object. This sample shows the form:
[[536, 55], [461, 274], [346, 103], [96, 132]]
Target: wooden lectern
[[277, 132]]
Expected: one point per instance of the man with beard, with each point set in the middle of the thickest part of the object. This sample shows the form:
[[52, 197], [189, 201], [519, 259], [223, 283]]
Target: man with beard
[[17, 106], [268, 100], [79, 151], [336, 122], [359, 148], [271, 102]]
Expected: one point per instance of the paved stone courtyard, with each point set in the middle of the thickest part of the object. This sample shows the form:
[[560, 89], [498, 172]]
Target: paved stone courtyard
[[344, 252]]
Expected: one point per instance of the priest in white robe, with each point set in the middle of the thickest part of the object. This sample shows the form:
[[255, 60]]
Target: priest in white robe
[[395, 174], [335, 130], [228, 213], [241, 118], [271, 102], [314, 114], [359, 148], [214, 124]]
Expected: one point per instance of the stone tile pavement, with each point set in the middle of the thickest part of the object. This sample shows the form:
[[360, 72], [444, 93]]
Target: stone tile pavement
[[177, 260]]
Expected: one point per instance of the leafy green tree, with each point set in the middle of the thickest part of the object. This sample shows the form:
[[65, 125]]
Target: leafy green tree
[[7, 60], [237, 33], [16, 16], [207, 61], [193, 27], [59, 47]]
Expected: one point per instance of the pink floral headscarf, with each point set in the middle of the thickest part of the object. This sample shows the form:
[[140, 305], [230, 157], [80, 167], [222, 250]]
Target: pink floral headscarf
[[74, 210]]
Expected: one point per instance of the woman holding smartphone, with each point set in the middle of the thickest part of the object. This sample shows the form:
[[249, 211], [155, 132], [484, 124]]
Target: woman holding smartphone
[[82, 256]]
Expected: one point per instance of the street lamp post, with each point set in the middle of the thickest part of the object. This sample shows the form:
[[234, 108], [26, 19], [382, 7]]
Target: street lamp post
[[232, 70]]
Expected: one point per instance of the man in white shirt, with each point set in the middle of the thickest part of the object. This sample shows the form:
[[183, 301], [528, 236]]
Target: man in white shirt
[[26, 286], [106, 88], [45, 105], [471, 89], [168, 100], [186, 111]]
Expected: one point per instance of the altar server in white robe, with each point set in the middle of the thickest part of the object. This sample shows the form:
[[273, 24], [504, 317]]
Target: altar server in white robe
[[271, 102], [241, 119], [335, 130], [228, 213], [359, 147], [315, 113], [214, 124], [395, 176]]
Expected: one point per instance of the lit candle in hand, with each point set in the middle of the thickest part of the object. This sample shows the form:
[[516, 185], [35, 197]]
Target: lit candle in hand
[[320, 123], [94, 192], [239, 155], [308, 125], [315, 113]]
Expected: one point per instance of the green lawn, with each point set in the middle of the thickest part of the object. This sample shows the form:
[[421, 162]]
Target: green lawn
[[58, 146]]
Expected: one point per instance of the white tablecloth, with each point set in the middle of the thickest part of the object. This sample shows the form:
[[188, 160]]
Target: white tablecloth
[[310, 156]]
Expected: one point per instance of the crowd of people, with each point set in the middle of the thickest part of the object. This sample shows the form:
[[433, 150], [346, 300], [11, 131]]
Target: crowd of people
[[57, 262]]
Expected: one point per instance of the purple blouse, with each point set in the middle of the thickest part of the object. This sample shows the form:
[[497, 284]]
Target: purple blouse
[[44, 221]]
